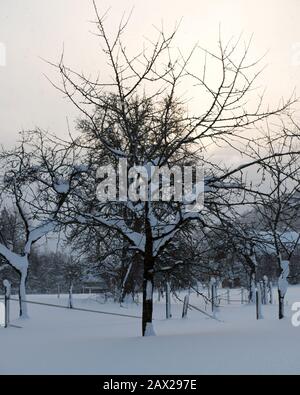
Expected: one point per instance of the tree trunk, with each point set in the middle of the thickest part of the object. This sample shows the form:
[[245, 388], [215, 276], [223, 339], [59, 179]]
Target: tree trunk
[[148, 279], [282, 285], [70, 303], [270, 293], [22, 293], [185, 306], [148, 283], [258, 296], [252, 287], [251, 262], [168, 301], [281, 305]]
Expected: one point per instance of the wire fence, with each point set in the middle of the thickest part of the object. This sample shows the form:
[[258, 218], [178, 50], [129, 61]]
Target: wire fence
[[77, 308], [81, 309], [192, 307], [214, 302]]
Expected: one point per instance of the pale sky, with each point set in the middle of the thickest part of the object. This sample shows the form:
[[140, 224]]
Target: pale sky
[[34, 29]]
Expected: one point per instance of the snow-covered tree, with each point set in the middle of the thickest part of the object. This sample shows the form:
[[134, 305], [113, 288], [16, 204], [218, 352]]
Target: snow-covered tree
[[139, 114], [36, 179], [278, 211]]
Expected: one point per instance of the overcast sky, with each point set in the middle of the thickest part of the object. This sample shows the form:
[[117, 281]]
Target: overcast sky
[[35, 29]]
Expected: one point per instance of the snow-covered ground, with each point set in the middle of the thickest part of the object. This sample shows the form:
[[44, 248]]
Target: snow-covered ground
[[60, 341]]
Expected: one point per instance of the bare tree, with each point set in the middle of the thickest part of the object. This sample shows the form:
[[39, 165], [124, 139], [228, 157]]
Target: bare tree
[[278, 211], [36, 180], [140, 115]]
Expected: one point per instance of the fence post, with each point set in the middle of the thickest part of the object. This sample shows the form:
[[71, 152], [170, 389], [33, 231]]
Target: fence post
[[7, 287], [185, 306], [242, 295], [270, 292], [70, 305], [259, 315], [58, 291], [265, 281], [213, 294], [168, 301], [264, 290], [252, 289], [260, 288], [228, 295]]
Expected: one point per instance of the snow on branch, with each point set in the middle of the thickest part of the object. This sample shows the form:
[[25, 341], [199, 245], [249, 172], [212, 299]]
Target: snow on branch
[[14, 259], [137, 239], [37, 233]]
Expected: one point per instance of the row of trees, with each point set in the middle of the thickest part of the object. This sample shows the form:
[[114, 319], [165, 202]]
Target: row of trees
[[141, 114]]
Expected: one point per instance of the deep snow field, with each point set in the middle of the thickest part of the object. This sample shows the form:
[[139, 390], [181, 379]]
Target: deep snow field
[[61, 341]]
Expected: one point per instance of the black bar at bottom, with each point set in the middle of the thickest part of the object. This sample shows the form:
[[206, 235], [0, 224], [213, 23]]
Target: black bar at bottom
[[131, 384]]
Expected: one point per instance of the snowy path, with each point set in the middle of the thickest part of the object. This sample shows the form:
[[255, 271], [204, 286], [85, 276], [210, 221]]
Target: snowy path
[[72, 342]]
